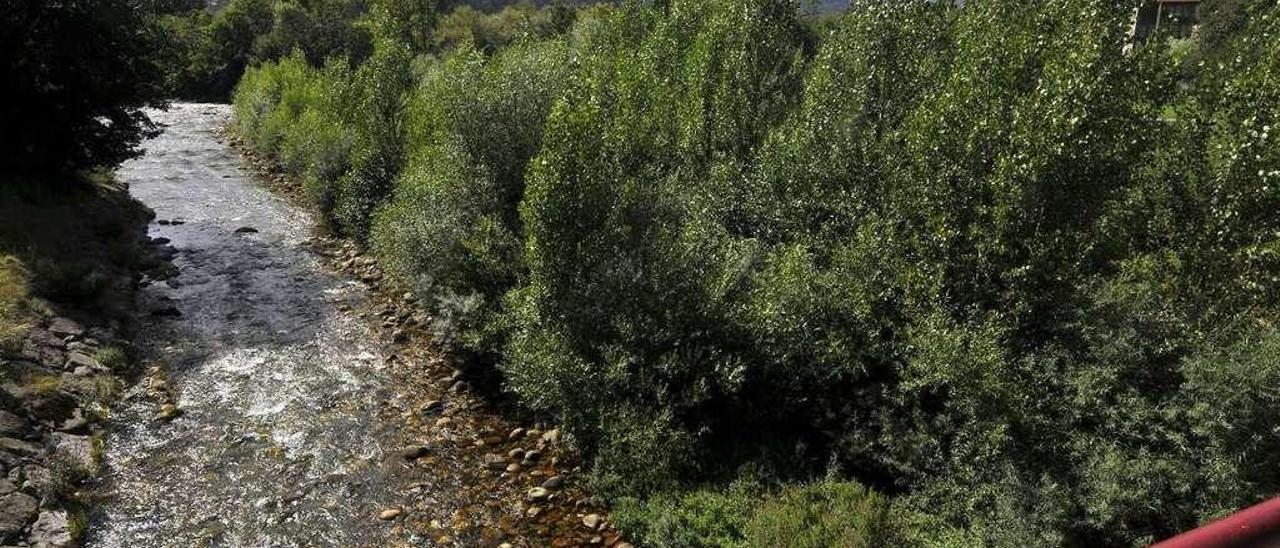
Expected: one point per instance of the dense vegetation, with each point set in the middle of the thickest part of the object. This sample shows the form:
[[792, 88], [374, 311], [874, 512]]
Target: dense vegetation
[[75, 75], [1010, 273]]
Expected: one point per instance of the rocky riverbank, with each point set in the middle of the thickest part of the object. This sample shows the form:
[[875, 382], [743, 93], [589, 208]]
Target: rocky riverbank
[[515, 483], [83, 253]]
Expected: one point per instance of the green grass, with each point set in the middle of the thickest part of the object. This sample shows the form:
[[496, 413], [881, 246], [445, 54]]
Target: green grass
[[14, 292]]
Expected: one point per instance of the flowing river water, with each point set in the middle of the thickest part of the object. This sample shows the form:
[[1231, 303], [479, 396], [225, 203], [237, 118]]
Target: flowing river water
[[278, 443]]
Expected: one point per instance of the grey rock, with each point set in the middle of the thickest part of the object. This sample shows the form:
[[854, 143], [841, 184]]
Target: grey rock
[[49, 405], [13, 426], [16, 510], [19, 447], [553, 482], [42, 347], [74, 448], [35, 479], [80, 359], [77, 424], [64, 327], [495, 462], [51, 530], [538, 494], [83, 347]]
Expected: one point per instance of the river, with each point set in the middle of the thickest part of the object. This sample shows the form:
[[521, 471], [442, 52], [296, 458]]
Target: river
[[277, 443]]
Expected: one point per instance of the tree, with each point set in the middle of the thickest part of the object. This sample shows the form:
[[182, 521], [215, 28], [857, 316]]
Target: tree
[[77, 73]]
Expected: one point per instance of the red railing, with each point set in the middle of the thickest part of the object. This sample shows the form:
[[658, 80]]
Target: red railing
[[1254, 526]]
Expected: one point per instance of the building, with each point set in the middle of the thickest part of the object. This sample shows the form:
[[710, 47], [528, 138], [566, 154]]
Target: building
[[1175, 18]]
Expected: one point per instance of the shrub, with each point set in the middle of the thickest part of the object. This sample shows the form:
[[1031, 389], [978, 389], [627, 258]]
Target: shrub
[[112, 358], [701, 517], [208, 53], [77, 101], [624, 304], [379, 88], [452, 231], [986, 258], [824, 514], [491, 32]]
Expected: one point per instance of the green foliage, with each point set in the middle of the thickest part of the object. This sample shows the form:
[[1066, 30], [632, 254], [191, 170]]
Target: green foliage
[[702, 517], [379, 89], [824, 514], [76, 75], [818, 515], [990, 259], [489, 32], [407, 21], [208, 53], [112, 358], [452, 231], [624, 301]]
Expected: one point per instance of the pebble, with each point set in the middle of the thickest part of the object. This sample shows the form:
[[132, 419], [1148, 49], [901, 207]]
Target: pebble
[[390, 514], [553, 482], [414, 452], [168, 412], [539, 494], [515, 434], [494, 462], [513, 468], [593, 522], [551, 436]]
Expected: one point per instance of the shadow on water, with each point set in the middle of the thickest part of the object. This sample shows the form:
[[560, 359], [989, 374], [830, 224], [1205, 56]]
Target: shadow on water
[[278, 443]]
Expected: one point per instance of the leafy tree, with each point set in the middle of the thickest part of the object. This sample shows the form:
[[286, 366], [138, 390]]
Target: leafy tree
[[74, 103]]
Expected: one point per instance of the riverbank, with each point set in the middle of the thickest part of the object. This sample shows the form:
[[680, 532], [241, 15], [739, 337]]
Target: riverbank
[[72, 259], [520, 484]]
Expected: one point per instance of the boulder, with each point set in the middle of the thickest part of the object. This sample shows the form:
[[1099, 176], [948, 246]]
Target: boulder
[[51, 530], [13, 426], [64, 327], [79, 359], [16, 510], [74, 448], [19, 447]]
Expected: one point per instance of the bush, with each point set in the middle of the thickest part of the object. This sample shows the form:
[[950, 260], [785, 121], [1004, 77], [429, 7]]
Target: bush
[[452, 231], [824, 514], [988, 259], [627, 286], [336, 130], [701, 517], [491, 32], [379, 88], [77, 101], [208, 53], [821, 514]]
